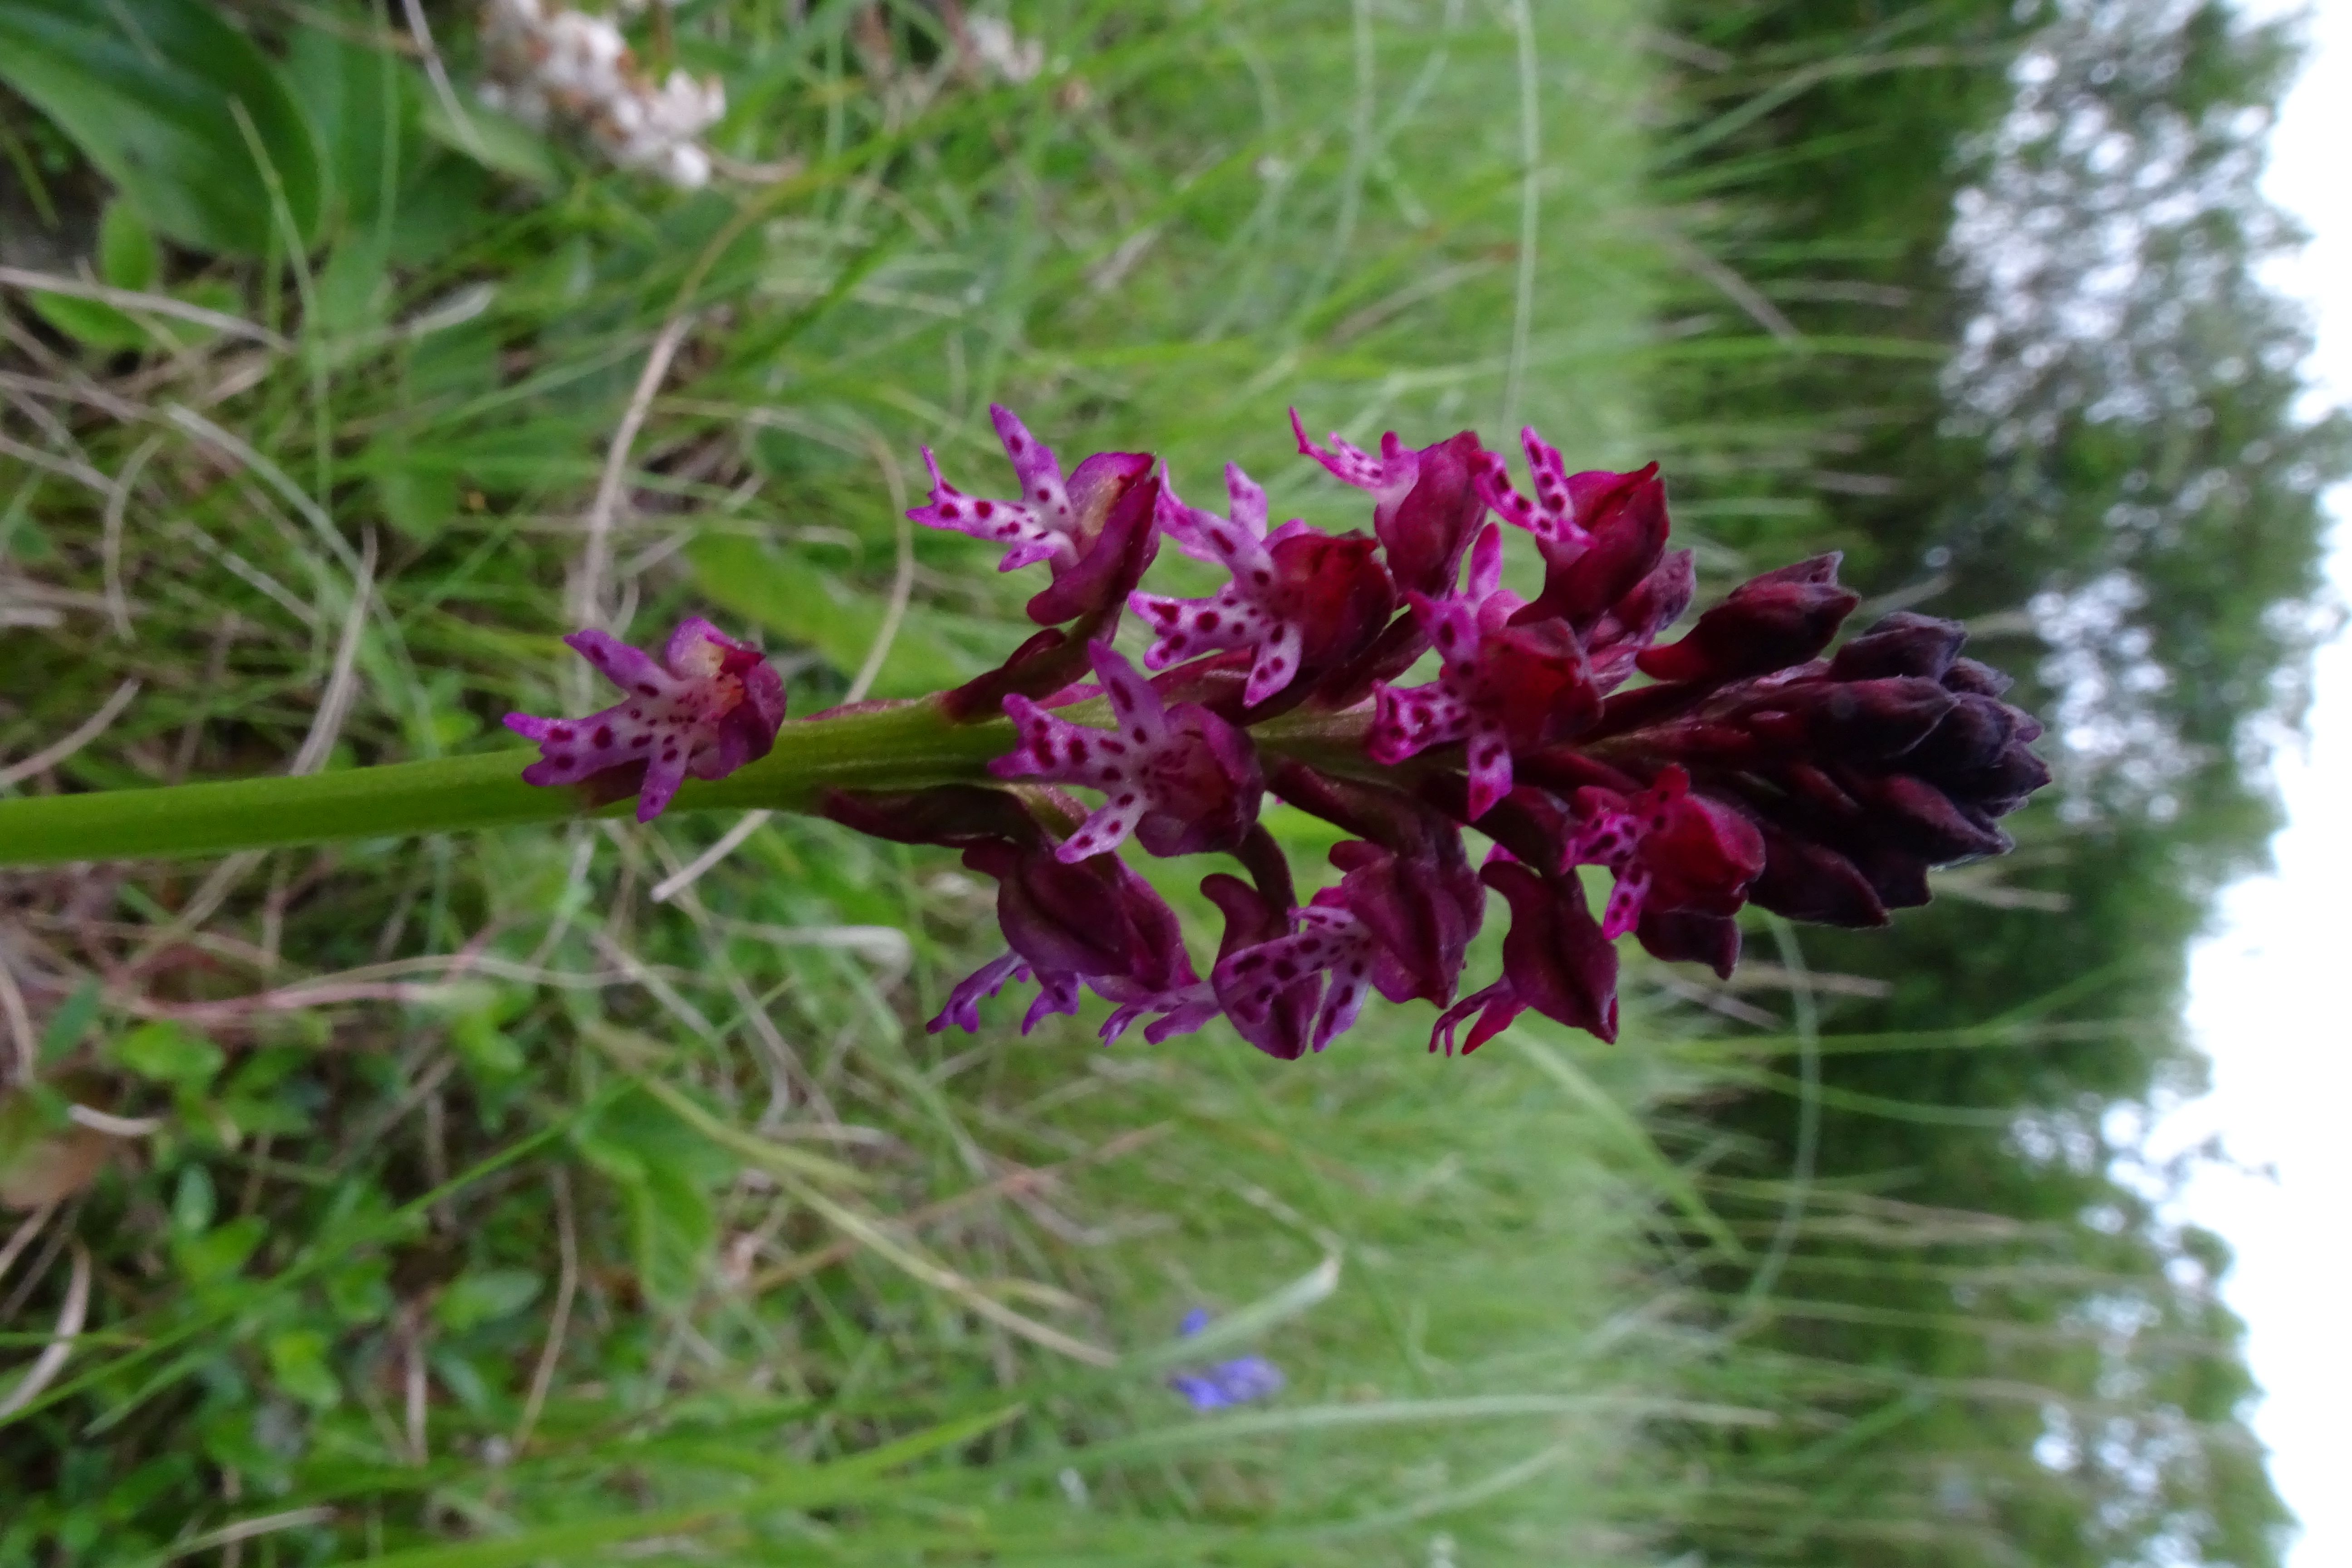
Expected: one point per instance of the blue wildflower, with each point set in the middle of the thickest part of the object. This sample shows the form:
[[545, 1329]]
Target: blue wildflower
[[1235, 1381]]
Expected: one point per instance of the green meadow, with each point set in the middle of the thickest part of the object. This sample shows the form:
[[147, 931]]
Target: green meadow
[[501, 1209]]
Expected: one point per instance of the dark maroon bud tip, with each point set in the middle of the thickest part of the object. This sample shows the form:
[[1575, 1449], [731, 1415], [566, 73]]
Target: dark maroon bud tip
[[1973, 735], [1680, 937], [1900, 643], [1917, 817], [1982, 679], [1881, 717], [1769, 623], [1809, 882]]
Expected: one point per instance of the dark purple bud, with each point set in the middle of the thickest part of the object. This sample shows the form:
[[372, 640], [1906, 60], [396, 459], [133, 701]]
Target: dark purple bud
[[1858, 719], [1900, 643], [1635, 621], [1914, 815], [1680, 936], [1971, 676], [1806, 881], [1897, 876], [1769, 623], [1972, 736]]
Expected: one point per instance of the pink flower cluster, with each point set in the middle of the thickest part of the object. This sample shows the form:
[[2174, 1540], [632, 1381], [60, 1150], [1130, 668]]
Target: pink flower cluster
[[1752, 765]]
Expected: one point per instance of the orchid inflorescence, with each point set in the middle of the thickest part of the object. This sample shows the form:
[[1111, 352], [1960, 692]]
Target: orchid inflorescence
[[1748, 768]]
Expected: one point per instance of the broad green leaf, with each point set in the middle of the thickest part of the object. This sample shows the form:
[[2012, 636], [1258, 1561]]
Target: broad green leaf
[[88, 321], [484, 1296], [489, 1051], [417, 500], [360, 1291], [151, 91], [665, 1170], [166, 1053], [499, 144], [364, 102], [352, 291], [127, 256]]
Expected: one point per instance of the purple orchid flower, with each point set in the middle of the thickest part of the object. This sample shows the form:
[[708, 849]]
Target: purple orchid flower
[[707, 707]]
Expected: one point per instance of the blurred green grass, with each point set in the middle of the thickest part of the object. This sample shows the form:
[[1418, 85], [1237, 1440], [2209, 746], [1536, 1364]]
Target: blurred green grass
[[654, 1225]]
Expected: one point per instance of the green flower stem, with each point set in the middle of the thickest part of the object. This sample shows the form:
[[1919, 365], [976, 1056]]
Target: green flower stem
[[904, 747], [895, 748]]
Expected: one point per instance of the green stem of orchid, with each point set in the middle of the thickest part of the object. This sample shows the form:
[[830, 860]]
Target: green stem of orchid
[[895, 748], [907, 747]]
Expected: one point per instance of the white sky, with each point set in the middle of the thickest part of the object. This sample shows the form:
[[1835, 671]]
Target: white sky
[[2267, 992]]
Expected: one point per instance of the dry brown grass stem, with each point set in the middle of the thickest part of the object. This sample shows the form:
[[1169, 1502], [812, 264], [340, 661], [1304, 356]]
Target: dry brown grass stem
[[132, 300], [53, 1356], [65, 746], [1011, 1183], [559, 1320], [587, 607]]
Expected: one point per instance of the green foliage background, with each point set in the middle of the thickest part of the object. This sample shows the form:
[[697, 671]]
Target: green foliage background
[[500, 1213]]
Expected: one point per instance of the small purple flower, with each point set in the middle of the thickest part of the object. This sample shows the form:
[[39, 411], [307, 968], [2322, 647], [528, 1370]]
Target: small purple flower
[[1095, 553], [1254, 982], [1501, 688], [1555, 961], [707, 707], [1425, 504], [1041, 526], [1669, 849], [1227, 1383], [1300, 600], [1399, 922], [1181, 779]]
